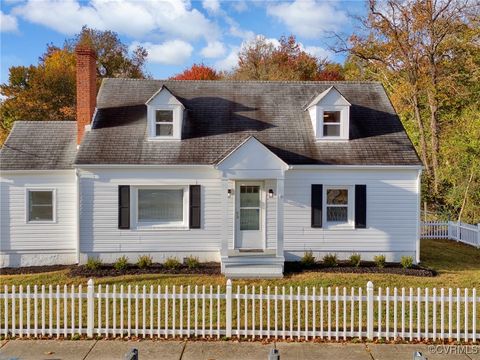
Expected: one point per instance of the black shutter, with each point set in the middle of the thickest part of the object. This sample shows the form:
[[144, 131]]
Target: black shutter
[[360, 206], [124, 207], [317, 205], [195, 200]]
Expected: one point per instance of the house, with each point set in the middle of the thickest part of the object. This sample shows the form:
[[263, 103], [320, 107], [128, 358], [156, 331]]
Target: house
[[246, 173]]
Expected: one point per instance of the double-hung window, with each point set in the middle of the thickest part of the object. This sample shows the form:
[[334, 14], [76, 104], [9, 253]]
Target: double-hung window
[[40, 205], [163, 206], [338, 206], [331, 123], [164, 123]]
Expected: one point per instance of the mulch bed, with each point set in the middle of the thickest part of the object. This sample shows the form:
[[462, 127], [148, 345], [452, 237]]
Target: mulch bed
[[33, 269], [210, 268], [213, 268], [365, 268]]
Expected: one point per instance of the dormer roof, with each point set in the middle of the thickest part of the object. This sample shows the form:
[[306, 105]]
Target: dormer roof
[[169, 97], [331, 94]]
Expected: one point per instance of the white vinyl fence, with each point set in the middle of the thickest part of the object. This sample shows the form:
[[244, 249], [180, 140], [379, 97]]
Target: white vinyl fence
[[465, 233], [243, 312]]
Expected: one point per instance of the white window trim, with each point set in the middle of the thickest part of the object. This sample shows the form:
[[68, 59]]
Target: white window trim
[[164, 123], [350, 224], [177, 121], [27, 206], [344, 119], [183, 225]]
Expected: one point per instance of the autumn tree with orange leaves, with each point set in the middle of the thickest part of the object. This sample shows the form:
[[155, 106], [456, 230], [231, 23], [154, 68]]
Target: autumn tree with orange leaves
[[198, 72]]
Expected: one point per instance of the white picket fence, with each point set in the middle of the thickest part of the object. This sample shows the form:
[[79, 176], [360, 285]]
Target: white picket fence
[[458, 231], [243, 312]]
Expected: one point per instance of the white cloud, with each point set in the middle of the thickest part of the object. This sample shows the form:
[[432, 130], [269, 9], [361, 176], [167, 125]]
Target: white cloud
[[172, 52], [213, 49], [308, 18], [230, 61], [240, 6], [318, 52], [134, 18], [212, 6], [8, 22]]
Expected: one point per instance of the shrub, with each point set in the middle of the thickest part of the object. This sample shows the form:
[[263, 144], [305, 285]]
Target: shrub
[[192, 262], [355, 260], [93, 263], [308, 260], [121, 263], [144, 261], [406, 261], [171, 263], [330, 260], [379, 261]]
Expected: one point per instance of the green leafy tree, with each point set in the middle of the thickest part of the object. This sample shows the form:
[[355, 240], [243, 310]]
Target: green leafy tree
[[260, 59], [46, 91]]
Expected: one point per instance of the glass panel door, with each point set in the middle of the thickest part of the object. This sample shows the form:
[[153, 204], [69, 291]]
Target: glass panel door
[[249, 207]]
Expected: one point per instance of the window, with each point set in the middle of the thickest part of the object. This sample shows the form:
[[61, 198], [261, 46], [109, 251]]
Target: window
[[338, 205], [331, 123], [162, 206], [164, 123], [40, 205]]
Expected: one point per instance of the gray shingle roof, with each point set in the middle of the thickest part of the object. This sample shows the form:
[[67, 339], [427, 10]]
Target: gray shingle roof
[[221, 114], [40, 145]]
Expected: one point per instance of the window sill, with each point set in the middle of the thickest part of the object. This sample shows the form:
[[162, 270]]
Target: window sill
[[40, 222], [162, 228], [331, 139], [163, 138], [339, 227]]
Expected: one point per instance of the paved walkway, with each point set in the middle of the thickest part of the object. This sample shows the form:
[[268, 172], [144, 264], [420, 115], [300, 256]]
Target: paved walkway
[[220, 350]]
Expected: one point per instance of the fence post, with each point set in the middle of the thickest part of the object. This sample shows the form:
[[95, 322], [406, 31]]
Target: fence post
[[478, 235], [90, 308], [459, 231], [228, 325], [370, 314]]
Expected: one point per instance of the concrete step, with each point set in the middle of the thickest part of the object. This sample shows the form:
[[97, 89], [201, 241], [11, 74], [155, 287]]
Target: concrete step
[[253, 271], [236, 267]]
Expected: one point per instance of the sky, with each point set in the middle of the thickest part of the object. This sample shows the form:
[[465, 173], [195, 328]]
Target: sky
[[175, 33]]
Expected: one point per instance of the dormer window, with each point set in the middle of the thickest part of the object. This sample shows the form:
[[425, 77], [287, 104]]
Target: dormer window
[[164, 116], [330, 116], [331, 123], [164, 123]]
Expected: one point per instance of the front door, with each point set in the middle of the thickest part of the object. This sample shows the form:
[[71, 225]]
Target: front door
[[249, 214]]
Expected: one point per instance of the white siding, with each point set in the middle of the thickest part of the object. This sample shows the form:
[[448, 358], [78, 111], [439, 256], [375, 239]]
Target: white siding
[[392, 214], [24, 243], [271, 215], [99, 231]]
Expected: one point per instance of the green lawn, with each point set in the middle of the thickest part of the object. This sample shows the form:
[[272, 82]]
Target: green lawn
[[458, 266]]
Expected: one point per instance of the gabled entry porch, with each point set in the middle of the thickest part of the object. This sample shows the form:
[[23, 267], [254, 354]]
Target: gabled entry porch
[[252, 180]]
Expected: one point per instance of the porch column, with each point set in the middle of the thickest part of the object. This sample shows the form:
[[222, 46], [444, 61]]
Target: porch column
[[280, 197], [224, 202]]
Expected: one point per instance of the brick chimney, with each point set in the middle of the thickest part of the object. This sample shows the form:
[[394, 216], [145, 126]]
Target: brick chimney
[[86, 87]]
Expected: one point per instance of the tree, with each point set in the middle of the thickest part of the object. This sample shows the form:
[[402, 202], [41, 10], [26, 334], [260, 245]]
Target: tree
[[46, 91], [113, 59], [427, 56], [198, 72], [411, 39], [260, 59]]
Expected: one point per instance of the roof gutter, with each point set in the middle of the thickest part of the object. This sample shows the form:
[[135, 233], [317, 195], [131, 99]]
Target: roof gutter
[[148, 166], [356, 167]]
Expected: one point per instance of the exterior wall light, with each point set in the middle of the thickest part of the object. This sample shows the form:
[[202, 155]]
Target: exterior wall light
[[270, 193], [229, 193]]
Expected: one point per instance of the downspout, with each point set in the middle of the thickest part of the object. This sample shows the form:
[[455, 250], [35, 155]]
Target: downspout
[[419, 193]]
